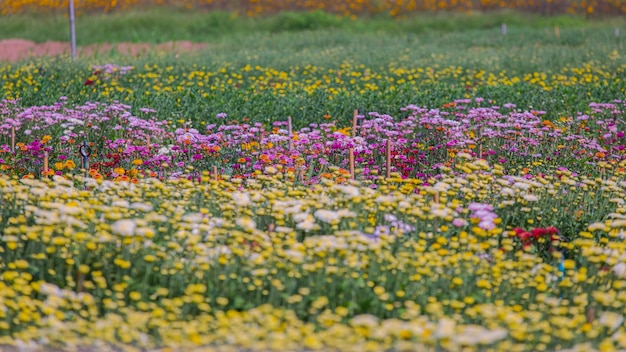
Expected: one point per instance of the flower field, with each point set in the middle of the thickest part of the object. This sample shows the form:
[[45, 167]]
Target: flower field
[[297, 199]]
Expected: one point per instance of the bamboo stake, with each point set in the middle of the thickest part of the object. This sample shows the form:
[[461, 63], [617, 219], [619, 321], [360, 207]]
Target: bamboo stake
[[388, 159], [351, 163], [45, 163], [13, 139], [290, 130], [215, 172], [356, 112]]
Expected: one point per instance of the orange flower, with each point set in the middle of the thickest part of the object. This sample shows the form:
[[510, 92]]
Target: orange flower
[[69, 164], [343, 172]]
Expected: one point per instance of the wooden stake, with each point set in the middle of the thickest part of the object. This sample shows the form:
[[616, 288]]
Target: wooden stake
[[351, 163], [148, 142], [12, 139], [388, 159], [301, 175], [503, 28], [45, 163], [290, 130], [356, 112], [591, 314], [215, 172], [557, 32], [480, 144], [436, 198]]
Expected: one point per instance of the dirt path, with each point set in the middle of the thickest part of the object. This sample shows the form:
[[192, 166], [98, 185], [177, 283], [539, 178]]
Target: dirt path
[[12, 50]]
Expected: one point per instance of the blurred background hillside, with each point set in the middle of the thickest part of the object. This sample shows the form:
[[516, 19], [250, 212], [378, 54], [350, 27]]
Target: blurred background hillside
[[393, 8]]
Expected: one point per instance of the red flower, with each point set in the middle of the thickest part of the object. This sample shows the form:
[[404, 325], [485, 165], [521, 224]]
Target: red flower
[[538, 232]]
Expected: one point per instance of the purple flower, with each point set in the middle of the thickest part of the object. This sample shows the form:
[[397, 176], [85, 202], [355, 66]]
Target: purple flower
[[458, 222], [221, 115]]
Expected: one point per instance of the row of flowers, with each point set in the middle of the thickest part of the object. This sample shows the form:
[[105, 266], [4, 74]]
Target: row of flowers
[[422, 141]]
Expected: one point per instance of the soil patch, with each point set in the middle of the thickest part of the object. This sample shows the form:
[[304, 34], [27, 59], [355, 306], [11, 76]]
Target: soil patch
[[12, 50]]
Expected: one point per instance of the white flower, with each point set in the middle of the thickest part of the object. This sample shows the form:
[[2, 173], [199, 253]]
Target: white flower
[[241, 199], [350, 191], [620, 269], [507, 192], [365, 320], [193, 218], [246, 223], [441, 187], [327, 216], [122, 203], [530, 198], [144, 207], [345, 213], [445, 328], [465, 156], [300, 217], [521, 185], [611, 320], [307, 225], [618, 223], [294, 255], [124, 227]]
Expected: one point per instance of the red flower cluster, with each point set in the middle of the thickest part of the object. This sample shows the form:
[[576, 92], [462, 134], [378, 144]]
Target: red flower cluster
[[105, 166], [91, 80], [527, 238]]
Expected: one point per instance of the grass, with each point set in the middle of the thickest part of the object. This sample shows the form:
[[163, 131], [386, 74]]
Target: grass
[[161, 25]]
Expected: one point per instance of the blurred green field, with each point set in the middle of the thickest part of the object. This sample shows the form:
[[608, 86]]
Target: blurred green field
[[255, 72], [157, 25]]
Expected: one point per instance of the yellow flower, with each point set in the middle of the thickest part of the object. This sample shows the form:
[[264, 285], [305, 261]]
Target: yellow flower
[[69, 164]]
